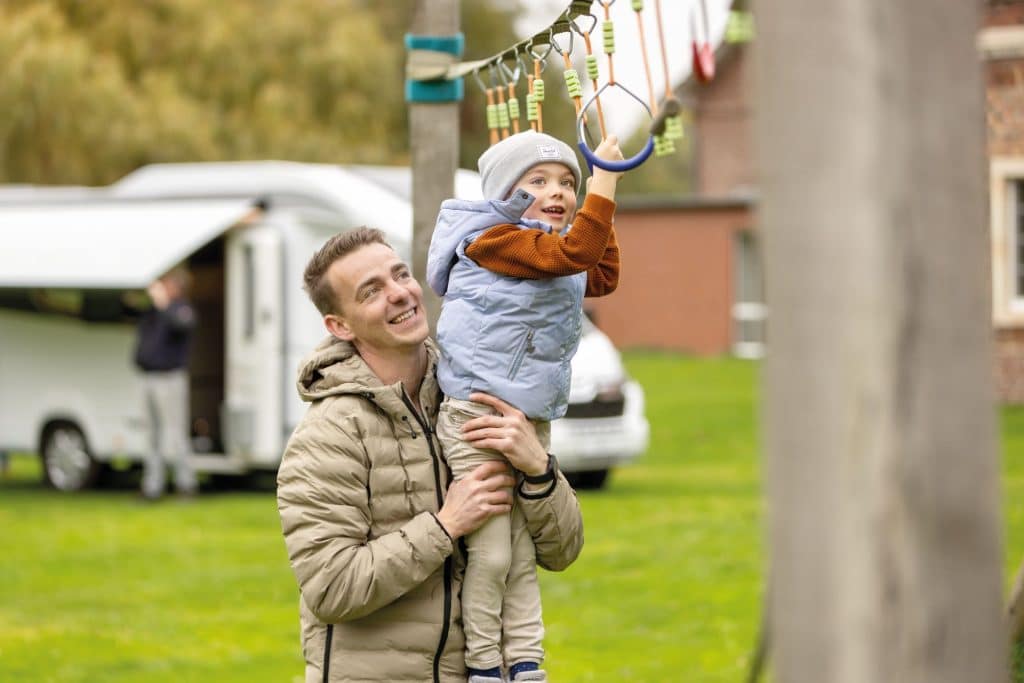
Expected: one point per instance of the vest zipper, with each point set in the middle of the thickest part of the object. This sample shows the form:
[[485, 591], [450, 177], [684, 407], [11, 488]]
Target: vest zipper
[[524, 347], [327, 652], [448, 566]]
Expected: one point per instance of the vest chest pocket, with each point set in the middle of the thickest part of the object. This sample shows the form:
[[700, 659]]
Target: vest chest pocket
[[525, 346]]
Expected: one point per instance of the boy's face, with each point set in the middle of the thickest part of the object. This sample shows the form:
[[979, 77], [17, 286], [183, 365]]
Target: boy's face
[[554, 189]]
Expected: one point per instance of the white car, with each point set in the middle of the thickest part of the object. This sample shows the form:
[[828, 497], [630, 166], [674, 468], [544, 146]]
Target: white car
[[605, 425]]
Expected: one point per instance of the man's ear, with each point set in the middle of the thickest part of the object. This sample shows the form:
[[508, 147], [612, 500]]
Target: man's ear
[[337, 326]]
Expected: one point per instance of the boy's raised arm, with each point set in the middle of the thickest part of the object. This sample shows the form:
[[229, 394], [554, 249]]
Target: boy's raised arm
[[589, 247]]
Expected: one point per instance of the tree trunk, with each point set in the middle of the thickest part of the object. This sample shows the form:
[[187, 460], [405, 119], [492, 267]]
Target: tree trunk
[[434, 142], [879, 414]]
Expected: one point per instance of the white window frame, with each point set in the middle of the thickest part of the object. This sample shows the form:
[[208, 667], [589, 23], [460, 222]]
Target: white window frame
[[746, 312], [1007, 304]]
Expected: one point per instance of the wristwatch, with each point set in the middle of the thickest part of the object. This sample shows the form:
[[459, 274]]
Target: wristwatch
[[549, 473]]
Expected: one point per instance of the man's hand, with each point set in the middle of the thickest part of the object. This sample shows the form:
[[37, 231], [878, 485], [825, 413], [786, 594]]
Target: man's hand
[[604, 182], [480, 495], [509, 432]]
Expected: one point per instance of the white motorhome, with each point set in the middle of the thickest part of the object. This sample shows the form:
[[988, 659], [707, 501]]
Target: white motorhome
[[68, 256]]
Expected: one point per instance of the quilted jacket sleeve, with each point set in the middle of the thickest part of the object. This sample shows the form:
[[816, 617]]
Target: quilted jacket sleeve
[[322, 498], [555, 523]]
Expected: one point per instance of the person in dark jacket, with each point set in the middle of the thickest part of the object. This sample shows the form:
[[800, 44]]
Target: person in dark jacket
[[163, 343]]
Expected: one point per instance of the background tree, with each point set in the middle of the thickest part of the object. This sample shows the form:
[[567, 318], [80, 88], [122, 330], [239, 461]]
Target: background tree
[[94, 90]]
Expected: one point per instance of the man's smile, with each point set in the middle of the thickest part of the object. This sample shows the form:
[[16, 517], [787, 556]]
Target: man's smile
[[401, 318]]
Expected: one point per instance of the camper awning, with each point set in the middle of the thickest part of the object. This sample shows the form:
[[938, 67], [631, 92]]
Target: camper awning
[[106, 245]]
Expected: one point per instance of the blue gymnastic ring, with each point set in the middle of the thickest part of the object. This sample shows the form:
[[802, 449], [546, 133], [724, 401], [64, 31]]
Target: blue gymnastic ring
[[594, 160], [616, 166]]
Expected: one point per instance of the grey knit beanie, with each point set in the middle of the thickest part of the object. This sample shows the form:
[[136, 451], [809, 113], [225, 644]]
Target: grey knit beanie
[[505, 163]]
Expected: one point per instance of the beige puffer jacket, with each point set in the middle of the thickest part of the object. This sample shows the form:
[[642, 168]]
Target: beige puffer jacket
[[359, 483]]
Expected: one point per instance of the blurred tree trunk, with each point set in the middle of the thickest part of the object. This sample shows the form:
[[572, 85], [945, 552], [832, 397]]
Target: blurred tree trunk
[[434, 144], [879, 413]]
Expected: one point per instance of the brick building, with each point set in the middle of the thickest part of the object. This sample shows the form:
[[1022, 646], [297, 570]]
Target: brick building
[[694, 280], [1001, 43]]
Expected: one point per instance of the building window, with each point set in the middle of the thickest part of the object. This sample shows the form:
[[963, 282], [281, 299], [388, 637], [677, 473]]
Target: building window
[[1017, 241], [748, 310]]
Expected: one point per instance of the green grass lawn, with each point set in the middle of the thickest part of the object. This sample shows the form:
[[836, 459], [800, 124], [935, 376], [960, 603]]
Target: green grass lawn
[[98, 587]]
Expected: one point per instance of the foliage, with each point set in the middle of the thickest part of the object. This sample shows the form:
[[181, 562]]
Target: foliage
[[93, 90]]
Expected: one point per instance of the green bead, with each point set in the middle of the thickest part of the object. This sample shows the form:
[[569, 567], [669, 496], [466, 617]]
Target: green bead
[[572, 83], [531, 108], [592, 71], [492, 116], [674, 127], [513, 107], [638, 5], [609, 36], [663, 146], [538, 89], [502, 116]]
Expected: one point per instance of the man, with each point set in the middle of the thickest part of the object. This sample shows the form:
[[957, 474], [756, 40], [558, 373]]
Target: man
[[370, 517], [163, 343]]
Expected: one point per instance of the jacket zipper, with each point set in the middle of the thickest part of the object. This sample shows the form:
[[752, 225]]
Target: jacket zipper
[[327, 652], [448, 566], [517, 360]]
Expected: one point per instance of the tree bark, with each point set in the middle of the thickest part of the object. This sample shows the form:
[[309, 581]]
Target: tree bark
[[434, 142], [879, 416]]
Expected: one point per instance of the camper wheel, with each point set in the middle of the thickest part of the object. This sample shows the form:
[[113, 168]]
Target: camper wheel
[[67, 463]]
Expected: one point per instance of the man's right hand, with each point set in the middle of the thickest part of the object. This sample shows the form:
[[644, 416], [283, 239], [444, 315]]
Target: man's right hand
[[480, 495]]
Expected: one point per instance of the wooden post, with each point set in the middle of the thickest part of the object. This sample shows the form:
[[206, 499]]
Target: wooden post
[[880, 427], [434, 142]]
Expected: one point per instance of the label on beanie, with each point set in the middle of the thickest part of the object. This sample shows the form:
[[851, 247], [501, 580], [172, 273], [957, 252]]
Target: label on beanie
[[548, 152]]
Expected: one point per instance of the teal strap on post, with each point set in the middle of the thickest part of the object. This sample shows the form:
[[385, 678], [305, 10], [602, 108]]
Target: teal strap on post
[[438, 89]]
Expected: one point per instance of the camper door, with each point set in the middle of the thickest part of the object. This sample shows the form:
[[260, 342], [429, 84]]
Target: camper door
[[253, 416]]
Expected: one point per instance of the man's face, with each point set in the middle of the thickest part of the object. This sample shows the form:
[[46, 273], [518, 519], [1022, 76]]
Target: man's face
[[381, 302], [554, 189]]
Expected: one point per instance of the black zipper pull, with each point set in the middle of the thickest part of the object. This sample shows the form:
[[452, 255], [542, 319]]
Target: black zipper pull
[[408, 425]]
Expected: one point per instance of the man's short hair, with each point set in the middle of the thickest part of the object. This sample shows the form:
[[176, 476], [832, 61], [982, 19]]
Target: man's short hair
[[315, 277]]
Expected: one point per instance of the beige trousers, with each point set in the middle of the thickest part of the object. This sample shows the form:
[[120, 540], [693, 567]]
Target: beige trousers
[[166, 395], [501, 612]]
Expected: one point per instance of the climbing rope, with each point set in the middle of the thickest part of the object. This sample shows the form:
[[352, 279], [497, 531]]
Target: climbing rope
[[667, 126], [608, 31]]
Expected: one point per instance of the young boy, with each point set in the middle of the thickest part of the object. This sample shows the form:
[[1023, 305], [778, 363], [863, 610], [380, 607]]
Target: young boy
[[513, 277]]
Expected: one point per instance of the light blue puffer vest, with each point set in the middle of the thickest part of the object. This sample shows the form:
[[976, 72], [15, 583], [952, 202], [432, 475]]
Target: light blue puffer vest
[[505, 336]]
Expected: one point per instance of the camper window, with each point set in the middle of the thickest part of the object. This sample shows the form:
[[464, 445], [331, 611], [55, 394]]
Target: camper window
[[58, 301], [90, 305], [16, 299], [249, 329]]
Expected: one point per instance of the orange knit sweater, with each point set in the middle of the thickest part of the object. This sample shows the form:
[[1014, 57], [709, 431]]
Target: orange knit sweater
[[534, 255]]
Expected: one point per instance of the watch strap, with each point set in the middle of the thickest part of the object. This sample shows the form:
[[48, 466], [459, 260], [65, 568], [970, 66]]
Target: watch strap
[[548, 476]]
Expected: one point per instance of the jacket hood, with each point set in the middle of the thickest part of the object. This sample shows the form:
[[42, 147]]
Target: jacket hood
[[460, 219], [335, 367]]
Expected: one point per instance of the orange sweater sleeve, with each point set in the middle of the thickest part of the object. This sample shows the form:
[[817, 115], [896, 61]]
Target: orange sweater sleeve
[[589, 247]]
